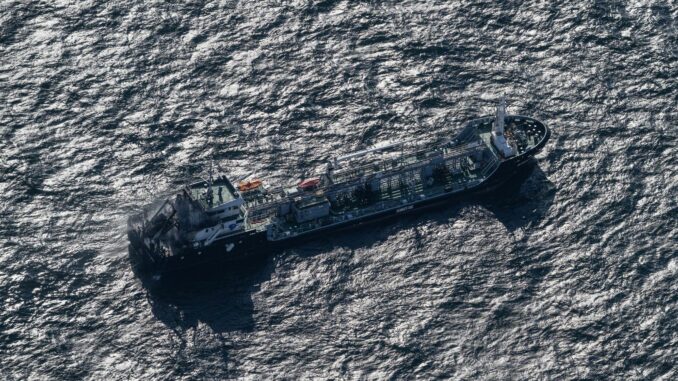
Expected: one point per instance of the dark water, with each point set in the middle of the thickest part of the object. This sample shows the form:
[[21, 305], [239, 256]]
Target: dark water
[[104, 105]]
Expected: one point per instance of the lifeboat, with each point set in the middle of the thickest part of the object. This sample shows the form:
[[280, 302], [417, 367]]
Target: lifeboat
[[309, 184], [248, 185]]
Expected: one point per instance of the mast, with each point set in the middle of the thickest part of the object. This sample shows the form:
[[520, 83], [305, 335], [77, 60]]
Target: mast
[[499, 120], [210, 181], [498, 138]]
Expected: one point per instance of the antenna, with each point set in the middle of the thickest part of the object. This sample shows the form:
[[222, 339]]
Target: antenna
[[210, 181]]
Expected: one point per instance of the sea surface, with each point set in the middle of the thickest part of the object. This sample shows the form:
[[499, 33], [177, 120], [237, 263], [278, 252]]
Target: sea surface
[[105, 106]]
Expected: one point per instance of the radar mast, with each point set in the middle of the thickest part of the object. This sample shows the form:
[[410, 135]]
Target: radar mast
[[498, 138]]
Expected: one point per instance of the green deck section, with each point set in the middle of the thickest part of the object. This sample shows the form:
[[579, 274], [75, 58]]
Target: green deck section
[[397, 192], [311, 201], [400, 183]]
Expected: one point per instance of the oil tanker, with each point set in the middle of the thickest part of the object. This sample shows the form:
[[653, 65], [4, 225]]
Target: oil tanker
[[217, 220]]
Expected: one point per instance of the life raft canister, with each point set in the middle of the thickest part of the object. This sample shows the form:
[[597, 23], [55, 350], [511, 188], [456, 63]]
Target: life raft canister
[[249, 185], [309, 183]]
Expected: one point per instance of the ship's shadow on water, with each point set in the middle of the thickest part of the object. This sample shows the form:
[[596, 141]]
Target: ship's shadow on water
[[221, 296], [522, 202]]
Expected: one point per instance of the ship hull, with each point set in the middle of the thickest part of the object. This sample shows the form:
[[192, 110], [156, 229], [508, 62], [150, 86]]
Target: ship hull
[[249, 245]]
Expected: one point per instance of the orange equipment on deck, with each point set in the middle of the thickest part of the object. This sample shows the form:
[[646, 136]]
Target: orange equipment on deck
[[309, 183], [249, 185]]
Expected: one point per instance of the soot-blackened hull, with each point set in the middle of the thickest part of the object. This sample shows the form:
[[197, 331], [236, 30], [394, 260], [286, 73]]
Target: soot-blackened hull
[[246, 246]]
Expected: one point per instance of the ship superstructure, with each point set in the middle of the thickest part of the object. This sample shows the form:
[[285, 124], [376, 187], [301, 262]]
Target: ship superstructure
[[215, 218]]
